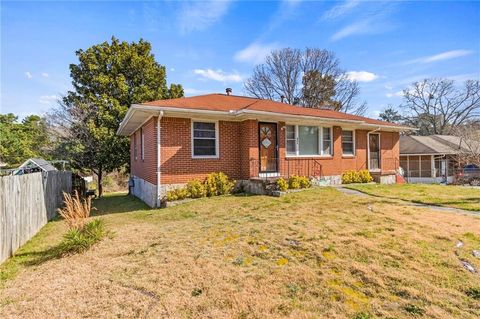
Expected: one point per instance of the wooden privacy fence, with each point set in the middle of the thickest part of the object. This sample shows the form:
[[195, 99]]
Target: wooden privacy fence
[[27, 203]]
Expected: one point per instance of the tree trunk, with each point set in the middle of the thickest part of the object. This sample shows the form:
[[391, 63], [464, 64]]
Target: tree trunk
[[99, 182]]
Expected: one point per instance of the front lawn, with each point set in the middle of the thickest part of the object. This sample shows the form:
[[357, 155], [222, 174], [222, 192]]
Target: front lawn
[[442, 195], [312, 254]]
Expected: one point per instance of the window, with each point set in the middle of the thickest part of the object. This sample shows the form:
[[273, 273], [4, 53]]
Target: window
[[327, 141], [348, 142], [204, 139], [135, 146], [142, 145], [291, 140], [308, 140]]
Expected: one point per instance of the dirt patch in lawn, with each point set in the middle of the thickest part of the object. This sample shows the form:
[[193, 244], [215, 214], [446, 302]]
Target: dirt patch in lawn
[[312, 254]]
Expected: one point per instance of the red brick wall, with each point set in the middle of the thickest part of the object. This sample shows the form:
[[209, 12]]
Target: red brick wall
[[177, 164], [146, 168], [238, 158]]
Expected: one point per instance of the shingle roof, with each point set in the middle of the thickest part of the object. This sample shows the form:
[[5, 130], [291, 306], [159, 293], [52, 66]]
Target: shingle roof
[[432, 144], [223, 102], [40, 162]]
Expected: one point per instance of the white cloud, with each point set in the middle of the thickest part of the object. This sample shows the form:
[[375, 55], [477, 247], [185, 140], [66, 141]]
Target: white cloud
[[48, 99], [359, 27], [198, 16], [395, 94], [28, 75], [255, 53], [340, 10], [45, 75], [447, 55], [361, 76], [218, 75], [373, 19]]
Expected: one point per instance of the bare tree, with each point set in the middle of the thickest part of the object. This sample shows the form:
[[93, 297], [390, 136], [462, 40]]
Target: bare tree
[[469, 143], [438, 106], [311, 78]]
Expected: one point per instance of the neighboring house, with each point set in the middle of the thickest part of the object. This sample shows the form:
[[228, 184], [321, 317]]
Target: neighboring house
[[430, 159], [33, 165], [248, 139]]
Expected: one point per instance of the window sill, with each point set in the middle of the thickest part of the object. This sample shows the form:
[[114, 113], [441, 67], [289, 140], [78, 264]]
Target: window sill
[[349, 156], [308, 156], [205, 157]]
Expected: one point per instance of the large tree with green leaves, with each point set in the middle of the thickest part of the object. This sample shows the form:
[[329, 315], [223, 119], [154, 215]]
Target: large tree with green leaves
[[108, 78], [22, 140]]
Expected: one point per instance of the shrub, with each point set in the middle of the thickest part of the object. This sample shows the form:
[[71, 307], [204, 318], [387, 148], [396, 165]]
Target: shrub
[[78, 240], [362, 176], [218, 184], [76, 210], [177, 194], [365, 176], [196, 188], [304, 182], [294, 182], [473, 292], [282, 184]]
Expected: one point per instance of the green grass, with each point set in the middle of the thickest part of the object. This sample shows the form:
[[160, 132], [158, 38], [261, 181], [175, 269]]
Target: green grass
[[442, 195], [312, 254]]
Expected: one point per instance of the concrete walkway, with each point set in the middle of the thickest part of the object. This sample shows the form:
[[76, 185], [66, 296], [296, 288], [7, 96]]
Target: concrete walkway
[[355, 192]]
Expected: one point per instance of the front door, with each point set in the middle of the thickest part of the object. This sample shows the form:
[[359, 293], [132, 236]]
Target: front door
[[374, 151], [267, 134]]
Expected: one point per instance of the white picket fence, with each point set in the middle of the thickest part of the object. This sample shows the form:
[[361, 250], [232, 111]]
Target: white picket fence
[[27, 203]]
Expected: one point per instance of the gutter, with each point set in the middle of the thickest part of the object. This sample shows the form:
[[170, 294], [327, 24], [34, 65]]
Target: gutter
[[240, 113]]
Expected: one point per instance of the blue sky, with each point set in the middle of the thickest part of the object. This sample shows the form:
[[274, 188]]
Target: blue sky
[[208, 46]]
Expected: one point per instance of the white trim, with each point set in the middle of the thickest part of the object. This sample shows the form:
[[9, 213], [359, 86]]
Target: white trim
[[217, 137], [353, 141], [379, 169]]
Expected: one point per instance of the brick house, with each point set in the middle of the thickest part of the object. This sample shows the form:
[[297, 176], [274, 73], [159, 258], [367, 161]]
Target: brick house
[[174, 141]]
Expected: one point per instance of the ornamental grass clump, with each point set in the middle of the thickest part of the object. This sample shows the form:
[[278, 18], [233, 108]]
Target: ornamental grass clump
[[76, 210], [81, 234]]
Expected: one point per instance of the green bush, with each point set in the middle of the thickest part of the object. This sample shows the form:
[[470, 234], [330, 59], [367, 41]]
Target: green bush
[[214, 184], [218, 184], [196, 188], [365, 176], [78, 240], [294, 182], [304, 182], [282, 184], [362, 176], [177, 194]]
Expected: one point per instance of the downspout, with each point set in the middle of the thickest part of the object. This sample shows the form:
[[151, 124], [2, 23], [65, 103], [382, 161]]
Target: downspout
[[158, 201]]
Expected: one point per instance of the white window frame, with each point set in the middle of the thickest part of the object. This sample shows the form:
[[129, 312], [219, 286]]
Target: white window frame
[[217, 150], [354, 144], [320, 142]]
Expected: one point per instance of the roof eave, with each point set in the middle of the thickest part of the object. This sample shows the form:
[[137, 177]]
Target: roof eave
[[246, 114]]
